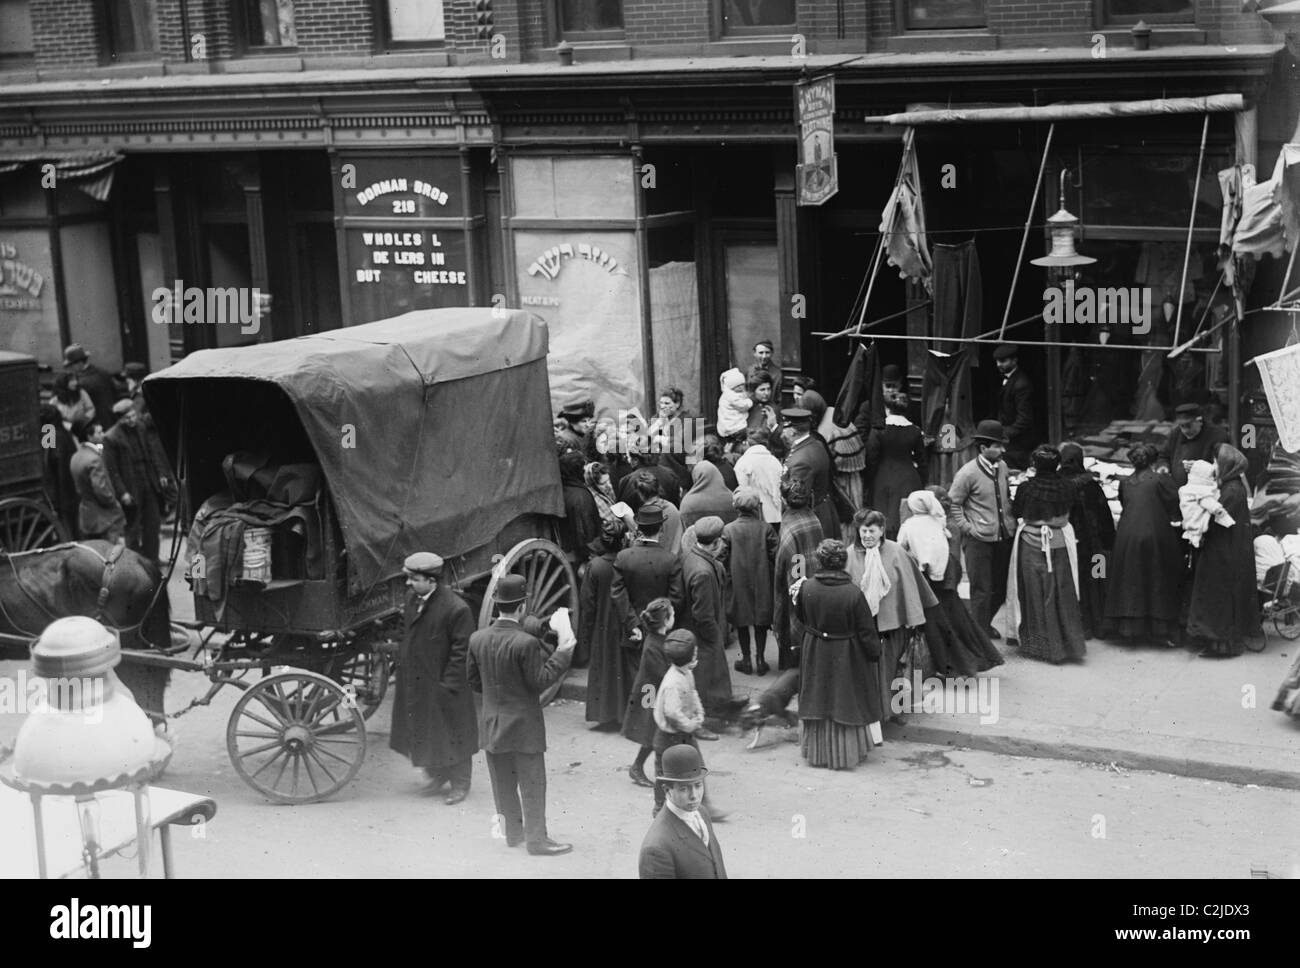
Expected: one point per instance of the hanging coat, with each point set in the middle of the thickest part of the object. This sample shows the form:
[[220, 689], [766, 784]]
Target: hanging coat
[[434, 723], [613, 656], [945, 401]]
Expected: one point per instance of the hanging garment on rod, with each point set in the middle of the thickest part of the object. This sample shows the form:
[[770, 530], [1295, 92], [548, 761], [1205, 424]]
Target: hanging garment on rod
[[947, 413]]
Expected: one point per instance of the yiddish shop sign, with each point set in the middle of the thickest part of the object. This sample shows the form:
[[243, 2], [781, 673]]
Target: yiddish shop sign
[[402, 251], [29, 319]]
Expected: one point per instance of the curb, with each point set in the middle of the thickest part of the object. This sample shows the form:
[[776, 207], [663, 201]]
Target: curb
[[574, 688]]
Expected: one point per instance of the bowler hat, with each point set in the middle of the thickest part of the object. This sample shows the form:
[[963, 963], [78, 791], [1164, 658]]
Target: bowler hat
[[990, 430], [75, 353], [649, 514], [891, 372], [510, 590], [681, 764], [1005, 351], [423, 563]]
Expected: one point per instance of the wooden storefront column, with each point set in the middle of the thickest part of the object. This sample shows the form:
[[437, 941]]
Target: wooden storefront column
[[250, 181], [794, 270], [643, 261]]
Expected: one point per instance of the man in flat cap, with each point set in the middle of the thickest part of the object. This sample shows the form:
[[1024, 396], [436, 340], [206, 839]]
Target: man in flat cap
[[511, 669], [141, 478], [434, 723], [579, 417], [1015, 407], [705, 613], [1190, 441], [981, 500], [809, 461], [97, 384]]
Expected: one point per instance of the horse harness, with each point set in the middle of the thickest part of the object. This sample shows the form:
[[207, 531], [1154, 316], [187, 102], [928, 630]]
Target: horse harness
[[105, 585]]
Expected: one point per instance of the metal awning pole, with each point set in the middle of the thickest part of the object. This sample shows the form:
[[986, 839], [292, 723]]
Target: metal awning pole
[[857, 330], [1191, 225], [1029, 221], [1035, 342]]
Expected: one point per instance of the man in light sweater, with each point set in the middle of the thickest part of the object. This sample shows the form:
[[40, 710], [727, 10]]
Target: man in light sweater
[[982, 502]]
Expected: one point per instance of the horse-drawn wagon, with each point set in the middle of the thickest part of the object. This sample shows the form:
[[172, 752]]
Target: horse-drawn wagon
[[308, 470]]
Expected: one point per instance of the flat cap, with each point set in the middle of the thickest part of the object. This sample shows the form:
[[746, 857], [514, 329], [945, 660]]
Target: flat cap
[[709, 528], [75, 353], [1005, 351], [423, 563], [122, 406], [577, 409], [136, 371], [1188, 409]]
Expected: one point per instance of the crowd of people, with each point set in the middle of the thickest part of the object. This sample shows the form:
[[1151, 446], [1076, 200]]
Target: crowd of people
[[106, 472]]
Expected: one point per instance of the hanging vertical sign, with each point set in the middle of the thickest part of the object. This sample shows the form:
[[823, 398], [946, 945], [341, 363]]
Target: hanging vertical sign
[[818, 176]]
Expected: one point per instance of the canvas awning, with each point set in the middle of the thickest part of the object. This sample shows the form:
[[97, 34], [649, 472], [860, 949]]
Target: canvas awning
[[89, 171], [1215, 103]]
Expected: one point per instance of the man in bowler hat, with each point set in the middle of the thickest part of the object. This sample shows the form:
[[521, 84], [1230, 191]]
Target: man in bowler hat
[[511, 669], [645, 571], [97, 384], [1015, 407], [981, 500], [434, 723], [681, 842]]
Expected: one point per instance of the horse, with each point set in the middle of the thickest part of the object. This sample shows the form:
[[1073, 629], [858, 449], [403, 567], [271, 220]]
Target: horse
[[108, 582]]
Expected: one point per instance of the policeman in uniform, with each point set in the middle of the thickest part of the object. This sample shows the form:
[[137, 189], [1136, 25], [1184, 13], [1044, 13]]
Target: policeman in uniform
[[808, 461], [511, 669]]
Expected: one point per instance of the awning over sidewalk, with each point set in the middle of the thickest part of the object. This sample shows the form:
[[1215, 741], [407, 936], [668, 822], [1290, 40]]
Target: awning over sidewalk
[[1215, 103], [89, 171]]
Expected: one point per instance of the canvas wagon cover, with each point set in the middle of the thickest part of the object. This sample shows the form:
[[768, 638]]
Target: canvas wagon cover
[[451, 413]]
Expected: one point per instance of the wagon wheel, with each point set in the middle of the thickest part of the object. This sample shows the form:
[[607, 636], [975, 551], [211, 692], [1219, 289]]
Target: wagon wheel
[[365, 672], [26, 524], [551, 584], [296, 737]]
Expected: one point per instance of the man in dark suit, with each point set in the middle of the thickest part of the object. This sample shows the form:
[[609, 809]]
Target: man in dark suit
[[511, 669], [1191, 440], [681, 842], [644, 572], [1015, 407], [141, 479], [809, 461], [434, 724], [97, 384], [99, 514]]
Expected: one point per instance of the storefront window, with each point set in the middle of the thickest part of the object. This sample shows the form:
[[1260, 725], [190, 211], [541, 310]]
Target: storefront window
[[1152, 11], [269, 23], [1150, 186], [580, 18], [414, 22], [131, 28], [756, 16], [753, 300], [15, 29], [936, 14]]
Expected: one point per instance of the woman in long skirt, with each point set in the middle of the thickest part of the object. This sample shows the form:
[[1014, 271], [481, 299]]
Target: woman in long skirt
[[1224, 607], [897, 596], [839, 646], [958, 646], [1044, 565], [1144, 582], [895, 454], [639, 716], [613, 658], [1094, 530]]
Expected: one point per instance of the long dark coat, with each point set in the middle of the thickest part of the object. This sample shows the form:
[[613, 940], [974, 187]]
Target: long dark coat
[[1094, 530], [704, 613], [752, 544], [581, 522], [613, 657], [433, 709], [1016, 411], [672, 851], [1144, 582], [639, 717], [893, 456], [1224, 607], [642, 573], [801, 533], [511, 669], [837, 666], [809, 460], [1201, 447]]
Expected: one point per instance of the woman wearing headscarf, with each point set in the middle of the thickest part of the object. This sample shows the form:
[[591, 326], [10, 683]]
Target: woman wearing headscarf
[[1045, 566], [596, 476], [639, 717], [1144, 582], [801, 532], [895, 452], [897, 595], [581, 522], [708, 496], [601, 635], [1094, 530], [958, 646], [752, 548], [836, 666], [1224, 608]]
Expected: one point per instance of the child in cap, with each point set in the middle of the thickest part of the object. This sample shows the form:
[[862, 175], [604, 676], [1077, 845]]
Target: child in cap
[[679, 714]]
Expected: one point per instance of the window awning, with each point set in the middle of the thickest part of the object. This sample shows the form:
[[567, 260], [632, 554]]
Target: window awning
[[1069, 112], [89, 171]]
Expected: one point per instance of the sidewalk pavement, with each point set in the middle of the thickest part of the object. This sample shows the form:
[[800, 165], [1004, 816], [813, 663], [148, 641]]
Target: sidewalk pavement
[[1140, 708]]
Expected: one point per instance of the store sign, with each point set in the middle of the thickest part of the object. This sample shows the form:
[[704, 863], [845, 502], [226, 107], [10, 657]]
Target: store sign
[[397, 261], [20, 283], [817, 172], [550, 261]]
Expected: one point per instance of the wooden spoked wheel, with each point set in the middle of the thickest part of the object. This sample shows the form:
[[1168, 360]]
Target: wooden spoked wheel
[[365, 673], [296, 737], [26, 524], [550, 580]]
